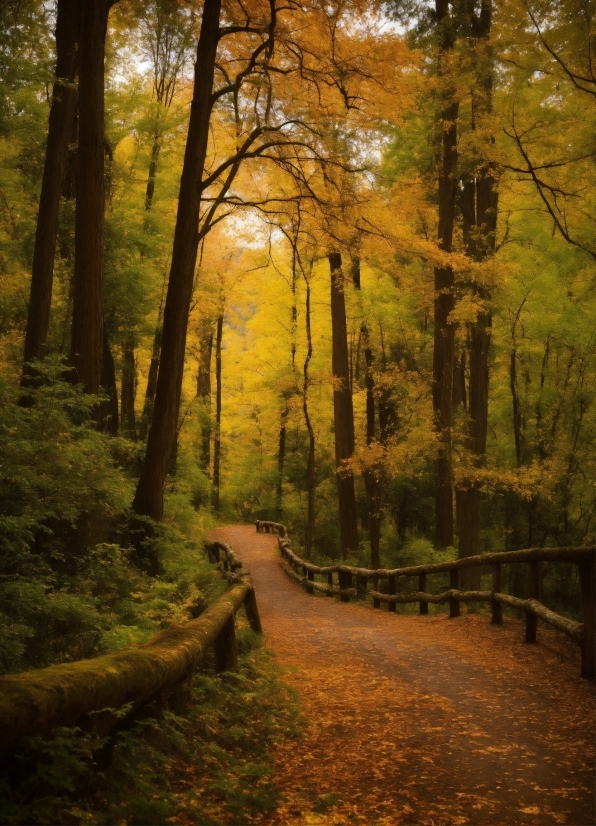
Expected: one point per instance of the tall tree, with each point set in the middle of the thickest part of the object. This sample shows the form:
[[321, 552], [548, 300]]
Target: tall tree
[[62, 113], [88, 285], [343, 412], [478, 202], [148, 499], [444, 302], [204, 392], [217, 434], [372, 482]]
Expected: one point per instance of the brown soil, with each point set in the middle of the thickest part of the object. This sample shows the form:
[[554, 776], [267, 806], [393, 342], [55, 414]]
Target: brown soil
[[421, 720]]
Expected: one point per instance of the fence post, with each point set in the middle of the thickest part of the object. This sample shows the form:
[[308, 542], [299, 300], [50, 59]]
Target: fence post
[[330, 582], [345, 581], [376, 602], [422, 589], [531, 620], [311, 578], [361, 582], [587, 588], [497, 608], [226, 647], [454, 584], [252, 612], [392, 606]]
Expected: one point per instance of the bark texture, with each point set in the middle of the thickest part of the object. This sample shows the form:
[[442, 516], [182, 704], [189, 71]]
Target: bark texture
[[309, 531], [62, 113], [148, 499], [217, 435], [129, 385], [343, 413], [444, 338], [371, 474], [204, 394], [88, 287], [478, 203]]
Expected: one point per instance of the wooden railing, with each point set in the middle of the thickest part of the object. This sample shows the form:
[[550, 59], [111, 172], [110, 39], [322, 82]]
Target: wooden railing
[[35, 702], [355, 583]]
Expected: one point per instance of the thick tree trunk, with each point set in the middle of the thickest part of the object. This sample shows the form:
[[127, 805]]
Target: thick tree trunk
[[149, 495], [342, 410], [217, 435], [204, 394], [62, 112], [88, 287], [127, 396], [444, 334]]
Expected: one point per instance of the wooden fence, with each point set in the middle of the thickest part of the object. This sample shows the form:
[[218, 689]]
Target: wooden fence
[[34, 702], [360, 583]]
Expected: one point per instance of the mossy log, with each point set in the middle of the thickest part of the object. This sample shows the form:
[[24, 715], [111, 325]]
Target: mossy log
[[576, 554], [36, 701], [333, 590], [436, 599], [532, 606]]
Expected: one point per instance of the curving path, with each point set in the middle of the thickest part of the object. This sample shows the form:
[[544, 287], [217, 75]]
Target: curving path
[[421, 720]]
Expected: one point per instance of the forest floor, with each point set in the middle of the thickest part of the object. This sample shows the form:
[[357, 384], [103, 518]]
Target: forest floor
[[421, 720]]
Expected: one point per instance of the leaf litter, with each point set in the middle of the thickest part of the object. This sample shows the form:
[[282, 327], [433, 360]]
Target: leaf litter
[[421, 720]]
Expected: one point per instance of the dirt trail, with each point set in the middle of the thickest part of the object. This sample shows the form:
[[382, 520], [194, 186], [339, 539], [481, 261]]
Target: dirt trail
[[421, 720]]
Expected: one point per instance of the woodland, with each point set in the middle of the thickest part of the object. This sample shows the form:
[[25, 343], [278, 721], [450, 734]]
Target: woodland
[[325, 263]]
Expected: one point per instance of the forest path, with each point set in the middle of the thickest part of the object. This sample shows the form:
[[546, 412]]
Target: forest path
[[421, 720]]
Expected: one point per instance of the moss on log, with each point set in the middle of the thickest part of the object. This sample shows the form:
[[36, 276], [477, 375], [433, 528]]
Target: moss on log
[[36, 701]]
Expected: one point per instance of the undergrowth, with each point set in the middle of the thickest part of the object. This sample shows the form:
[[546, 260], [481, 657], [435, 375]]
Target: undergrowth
[[208, 765]]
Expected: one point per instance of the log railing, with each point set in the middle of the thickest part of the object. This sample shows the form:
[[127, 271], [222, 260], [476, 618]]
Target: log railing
[[360, 583], [35, 702]]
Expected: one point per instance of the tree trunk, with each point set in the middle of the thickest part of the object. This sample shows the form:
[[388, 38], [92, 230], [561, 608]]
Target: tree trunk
[[62, 112], [444, 338], [88, 287], [479, 211], [150, 190], [217, 436], [152, 377], [342, 410], [106, 413], [127, 398], [149, 495], [309, 532], [204, 394], [281, 457], [371, 474]]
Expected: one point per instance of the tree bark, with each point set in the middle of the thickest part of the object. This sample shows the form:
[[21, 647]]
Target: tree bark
[[148, 499], [62, 112], [127, 397], [371, 474], [281, 457], [479, 201], [106, 413], [217, 435], [88, 286], [444, 338], [342, 410], [309, 532], [204, 394]]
